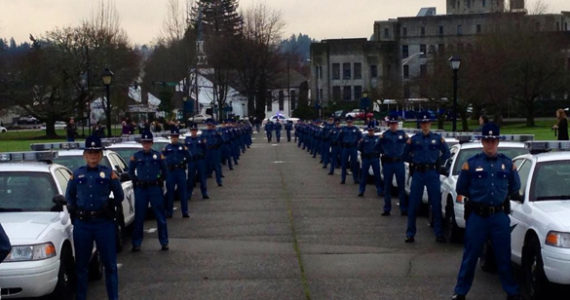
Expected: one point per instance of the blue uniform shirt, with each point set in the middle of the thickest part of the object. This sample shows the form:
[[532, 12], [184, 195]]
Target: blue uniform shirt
[[288, 126], [147, 166], [277, 126], [426, 149], [268, 126], [369, 145], [488, 180], [89, 188], [196, 146], [393, 143], [334, 134], [176, 154], [212, 138], [349, 136]]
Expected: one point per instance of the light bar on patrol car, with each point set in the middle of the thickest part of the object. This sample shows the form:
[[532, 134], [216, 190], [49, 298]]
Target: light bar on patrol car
[[47, 156], [546, 146], [55, 146]]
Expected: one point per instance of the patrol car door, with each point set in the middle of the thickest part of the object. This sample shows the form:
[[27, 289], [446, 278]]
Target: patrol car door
[[119, 166], [448, 181], [62, 176], [519, 226]]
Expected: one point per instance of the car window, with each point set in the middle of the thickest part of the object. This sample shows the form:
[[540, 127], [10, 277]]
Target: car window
[[524, 172], [119, 162], [26, 191], [73, 162], [62, 177], [551, 181], [126, 153], [465, 154]]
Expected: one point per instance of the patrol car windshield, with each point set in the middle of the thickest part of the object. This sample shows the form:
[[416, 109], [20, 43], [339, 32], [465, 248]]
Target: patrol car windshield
[[126, 153], [74, 162], [551, 181], [465, 154], [26, 191], [158, 146]]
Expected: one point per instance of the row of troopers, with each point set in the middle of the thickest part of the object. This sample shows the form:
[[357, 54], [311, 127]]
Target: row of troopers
[[92, 211], [486, 212], [277, 127]]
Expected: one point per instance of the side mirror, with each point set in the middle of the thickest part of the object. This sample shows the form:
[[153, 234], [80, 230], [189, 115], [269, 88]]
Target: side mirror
[[125, 177], [59, 201]]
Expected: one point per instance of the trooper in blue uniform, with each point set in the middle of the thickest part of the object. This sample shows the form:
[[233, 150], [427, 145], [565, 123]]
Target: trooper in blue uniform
[[93, 213], [226, 148], [369, 147], [197, 162], [269, 130], [5, 245], [326, 141], [213, 141], [277, 127], [348, 138], [425, 151], [148, 170], [486, 179], [288, 128], [336, 148], [177, 157], [393, 142]]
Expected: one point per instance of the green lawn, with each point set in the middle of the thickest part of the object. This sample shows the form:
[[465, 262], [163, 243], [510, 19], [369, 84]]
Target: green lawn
[[21, 140]]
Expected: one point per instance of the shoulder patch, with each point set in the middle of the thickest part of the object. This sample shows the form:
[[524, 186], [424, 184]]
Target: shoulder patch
[[442, 140], [133, 158], [409, 141], [514, 167], [71, 177], [465, 166], [114, 175], [162, 156]]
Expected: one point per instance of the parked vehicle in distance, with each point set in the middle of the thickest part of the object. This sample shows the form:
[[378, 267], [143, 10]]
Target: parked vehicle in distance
[[200, 118], [354, 113], [3, 129]]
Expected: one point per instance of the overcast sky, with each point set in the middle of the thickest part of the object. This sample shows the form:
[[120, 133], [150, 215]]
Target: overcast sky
[[143, 19]]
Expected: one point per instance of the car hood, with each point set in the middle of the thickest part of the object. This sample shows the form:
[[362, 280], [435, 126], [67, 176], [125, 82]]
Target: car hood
[[27, 227], [558, 213]]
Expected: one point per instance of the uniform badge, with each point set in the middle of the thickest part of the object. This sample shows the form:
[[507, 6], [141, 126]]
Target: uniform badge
[[80, 175], [433, 141], [102, 174], [479, 169], [400, 137], [503, 167], [354, 130], [180, 148], [154, 156], [92, 144]]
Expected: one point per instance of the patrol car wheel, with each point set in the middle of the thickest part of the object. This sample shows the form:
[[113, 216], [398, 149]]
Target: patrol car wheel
[[534, 279], [65, 287], [95, 267], [453, 232]]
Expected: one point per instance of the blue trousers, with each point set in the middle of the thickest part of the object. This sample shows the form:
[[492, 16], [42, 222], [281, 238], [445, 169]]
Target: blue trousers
[[269, 136], [197, 169], [278, 135], [366, 164], [226, 155], [477, 231], [346, 154], [142, 198], [325, 152], [235, 151], [176, 178], [429, 179], [335, 152], [390, 169], [213, 164], [288, 135], [102, 232]]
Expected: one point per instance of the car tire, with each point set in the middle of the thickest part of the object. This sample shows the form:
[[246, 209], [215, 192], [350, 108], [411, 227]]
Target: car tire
[[487, 261], [453, 232], [534, 280], [65, 287], [96, 267]]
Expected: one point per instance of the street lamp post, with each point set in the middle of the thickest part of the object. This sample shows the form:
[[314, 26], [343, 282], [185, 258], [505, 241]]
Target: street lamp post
[[107, 77], [455, 63]]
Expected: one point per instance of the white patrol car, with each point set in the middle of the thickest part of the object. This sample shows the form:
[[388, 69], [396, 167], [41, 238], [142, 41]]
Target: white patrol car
[[71, 156], [34, 216], [452, 205], [540, 221]]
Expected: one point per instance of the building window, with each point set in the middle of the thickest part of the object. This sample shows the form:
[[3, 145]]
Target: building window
[[281, 100], [404, 31], [468, 3], [336, 93], [566, 26], [357, 71], [405, 51], [423, 50], [440, 30], [346, 71], [423, 31], [557, 26], [406, 71], [387, 33], [459, 29], [441, 48], [423, 70], [484, 3], [320, 71], [537, 26], [346, 93], [431, 49], [373, 71], [269, 101], [357, 92], [406, 91], [335, 71], [293, 99], [478, 28], [321, 94]]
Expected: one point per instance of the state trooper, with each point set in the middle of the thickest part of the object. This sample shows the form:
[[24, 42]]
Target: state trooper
[[326, 142], [316, 138], [177, 157], [148, 170], [336, 148], [213, 141], [369, 147], [424, 151], [393, 142], [348, 137], [269, 130], [487, 179], [288, 128], [197, 162], [277, 127], [226, 149], [93, 214]]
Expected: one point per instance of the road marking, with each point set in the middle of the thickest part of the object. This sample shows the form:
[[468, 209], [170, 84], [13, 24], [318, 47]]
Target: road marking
[[274, 144], [278, 162]]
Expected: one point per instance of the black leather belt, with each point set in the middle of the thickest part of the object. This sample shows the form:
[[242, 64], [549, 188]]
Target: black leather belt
[[424, 167], [177, 166], [348, 145], [89, 215], [145, 184], [485, 210], [386, 159], [197, 157], [370, 155]]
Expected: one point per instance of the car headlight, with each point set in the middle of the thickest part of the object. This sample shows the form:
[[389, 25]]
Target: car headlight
[[31, 252], [558, 239]]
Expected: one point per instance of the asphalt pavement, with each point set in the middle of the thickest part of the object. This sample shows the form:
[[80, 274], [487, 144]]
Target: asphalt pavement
[[281, 228]]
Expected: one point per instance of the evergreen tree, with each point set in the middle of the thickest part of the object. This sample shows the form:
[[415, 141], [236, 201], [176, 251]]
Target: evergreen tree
[[218, 18]]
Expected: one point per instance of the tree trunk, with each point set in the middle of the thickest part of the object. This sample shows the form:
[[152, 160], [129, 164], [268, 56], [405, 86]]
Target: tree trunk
[[530, 113], [50, 129]]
